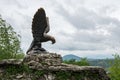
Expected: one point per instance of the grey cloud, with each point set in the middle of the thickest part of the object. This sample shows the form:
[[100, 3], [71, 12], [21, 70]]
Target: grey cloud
[[88, 20], [87, 37], [13, 3], [82, 19], [81, 46]]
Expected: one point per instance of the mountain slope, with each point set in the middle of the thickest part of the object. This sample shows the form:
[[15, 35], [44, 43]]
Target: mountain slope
[[71, 56]]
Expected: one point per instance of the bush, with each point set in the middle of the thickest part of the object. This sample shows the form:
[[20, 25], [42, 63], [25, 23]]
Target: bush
[[9, 42], [81, 62], [114, 70]]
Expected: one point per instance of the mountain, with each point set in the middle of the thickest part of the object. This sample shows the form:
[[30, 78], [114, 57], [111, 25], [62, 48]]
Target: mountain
[[71, 56], [105, 63]]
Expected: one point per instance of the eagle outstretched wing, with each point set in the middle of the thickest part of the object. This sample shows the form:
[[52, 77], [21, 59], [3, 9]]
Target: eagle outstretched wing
[[39, 24]]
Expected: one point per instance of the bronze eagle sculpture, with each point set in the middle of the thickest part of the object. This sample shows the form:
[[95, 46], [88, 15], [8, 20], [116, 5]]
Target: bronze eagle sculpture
[[40, 28]]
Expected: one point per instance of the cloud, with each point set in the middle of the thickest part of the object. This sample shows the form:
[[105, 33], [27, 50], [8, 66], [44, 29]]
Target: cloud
[[94, 31], [81, 27]]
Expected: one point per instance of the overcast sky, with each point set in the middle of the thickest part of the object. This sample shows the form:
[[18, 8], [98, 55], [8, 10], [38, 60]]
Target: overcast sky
[[86, 28]]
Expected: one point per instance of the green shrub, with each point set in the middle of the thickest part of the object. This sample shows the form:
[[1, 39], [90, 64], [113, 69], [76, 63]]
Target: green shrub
[[81, 62], [114, 70], [9, 42]]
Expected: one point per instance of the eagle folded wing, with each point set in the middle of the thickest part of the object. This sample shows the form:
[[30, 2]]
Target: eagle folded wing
[[39, 24]]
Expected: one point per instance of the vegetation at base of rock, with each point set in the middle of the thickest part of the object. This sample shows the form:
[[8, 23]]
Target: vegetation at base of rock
[[64, 75], [81, 62], [9, 42], [11, 71], [114, 70], [14, 71]]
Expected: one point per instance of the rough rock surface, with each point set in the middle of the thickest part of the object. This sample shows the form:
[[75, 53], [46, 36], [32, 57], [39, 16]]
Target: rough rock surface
[[48, 66]]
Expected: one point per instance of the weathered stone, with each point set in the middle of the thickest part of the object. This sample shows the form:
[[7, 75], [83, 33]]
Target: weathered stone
[[1, 70], [49, 66], [19, 76], [11, 62], [44, 58]]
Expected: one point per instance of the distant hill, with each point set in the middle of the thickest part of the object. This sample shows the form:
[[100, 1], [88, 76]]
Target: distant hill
[[71, 56], [105, 63]]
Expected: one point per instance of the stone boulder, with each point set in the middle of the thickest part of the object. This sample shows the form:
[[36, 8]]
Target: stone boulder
[[49, 66], [44, 58]]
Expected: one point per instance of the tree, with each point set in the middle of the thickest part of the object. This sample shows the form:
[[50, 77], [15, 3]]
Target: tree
[[81, 62], [9, 41], [114, 70]]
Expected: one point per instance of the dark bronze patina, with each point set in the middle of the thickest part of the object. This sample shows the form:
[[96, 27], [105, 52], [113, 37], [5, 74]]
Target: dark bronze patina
[[40, 28]]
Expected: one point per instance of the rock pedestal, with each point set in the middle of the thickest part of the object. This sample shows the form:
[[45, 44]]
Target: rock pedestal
[[44, 58], [48, 66]]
